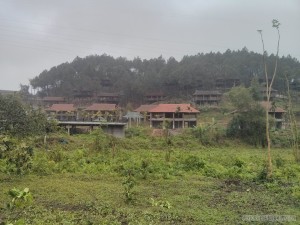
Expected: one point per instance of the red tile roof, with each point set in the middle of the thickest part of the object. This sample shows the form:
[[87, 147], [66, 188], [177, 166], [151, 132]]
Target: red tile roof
[[101, 107], [144, 108], [61, 108], [184, 108]]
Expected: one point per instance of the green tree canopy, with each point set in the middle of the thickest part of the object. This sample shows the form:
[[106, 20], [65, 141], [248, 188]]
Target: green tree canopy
[[18, 119], [248, 121], [175, 78]]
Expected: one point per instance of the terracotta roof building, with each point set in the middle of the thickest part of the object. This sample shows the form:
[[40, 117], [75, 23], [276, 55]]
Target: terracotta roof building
[[173, 116], [144, 111], [61, 108], [101, 111], [144, 108], [62, 111], [275, 112]]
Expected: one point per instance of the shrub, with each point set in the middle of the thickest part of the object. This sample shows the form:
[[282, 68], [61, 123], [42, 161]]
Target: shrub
[[262, 175], [18, 155], [279, 162], [289, 172], [207, 134], [56, 155], [193, 163], [238, 163], [137, 132], [296, 192], [281, 138], [100, 140], [128, 185], [145, 169], [3, 166], [234, 172], [211, 171], [20, 198], [41, 165]]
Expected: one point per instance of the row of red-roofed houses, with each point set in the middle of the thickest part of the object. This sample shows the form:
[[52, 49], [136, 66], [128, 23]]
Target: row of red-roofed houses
[[158, 116], [94, 112]]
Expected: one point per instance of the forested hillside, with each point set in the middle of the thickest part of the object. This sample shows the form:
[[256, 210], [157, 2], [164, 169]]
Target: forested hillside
[[134, 78]]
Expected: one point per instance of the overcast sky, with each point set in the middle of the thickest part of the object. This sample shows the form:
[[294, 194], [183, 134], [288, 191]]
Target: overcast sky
[[38, 34]]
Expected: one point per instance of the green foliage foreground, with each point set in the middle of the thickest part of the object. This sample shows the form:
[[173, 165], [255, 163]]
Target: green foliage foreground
[[96, 179]]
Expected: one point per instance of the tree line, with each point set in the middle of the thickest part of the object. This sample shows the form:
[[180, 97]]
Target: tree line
[[137, 77]]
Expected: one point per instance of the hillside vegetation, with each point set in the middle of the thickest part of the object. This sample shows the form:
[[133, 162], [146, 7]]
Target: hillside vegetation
[[134, 78]]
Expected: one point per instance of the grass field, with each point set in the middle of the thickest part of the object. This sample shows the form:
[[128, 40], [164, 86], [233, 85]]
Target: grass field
[[146, 180]]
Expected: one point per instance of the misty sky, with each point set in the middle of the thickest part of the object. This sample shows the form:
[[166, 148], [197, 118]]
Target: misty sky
[[38, 34]]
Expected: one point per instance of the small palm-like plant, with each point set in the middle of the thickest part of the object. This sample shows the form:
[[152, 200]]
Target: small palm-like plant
[[20, 198]]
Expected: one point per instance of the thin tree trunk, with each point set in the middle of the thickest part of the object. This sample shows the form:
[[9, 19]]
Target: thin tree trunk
[[269, 91], [270, 166]]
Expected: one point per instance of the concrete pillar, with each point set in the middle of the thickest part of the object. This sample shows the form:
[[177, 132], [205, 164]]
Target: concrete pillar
[[173, 121], [69, 128]]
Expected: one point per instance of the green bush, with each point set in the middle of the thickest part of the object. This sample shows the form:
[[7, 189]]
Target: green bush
[[208, 135], [19, 198], [128, 185], [234, 172], [281, 138], [262, 175], [296, 192], [279, 162], [42, 165], [193, 163], [289, 172], [101, 141], [137, 132], [17, 154], [56, 155], [214, 170], [3, 167], [238, 163]]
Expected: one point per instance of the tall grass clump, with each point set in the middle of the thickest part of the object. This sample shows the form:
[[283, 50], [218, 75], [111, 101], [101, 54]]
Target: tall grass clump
[[208, 135]]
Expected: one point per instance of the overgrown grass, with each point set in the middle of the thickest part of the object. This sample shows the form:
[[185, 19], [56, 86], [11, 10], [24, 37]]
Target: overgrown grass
[[80, 180]]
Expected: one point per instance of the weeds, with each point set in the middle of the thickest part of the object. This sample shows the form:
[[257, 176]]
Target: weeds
[[20, 198], [160, 203], [128, 185], [18, 156], [144, 169], [79, 173], [193, 163]]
